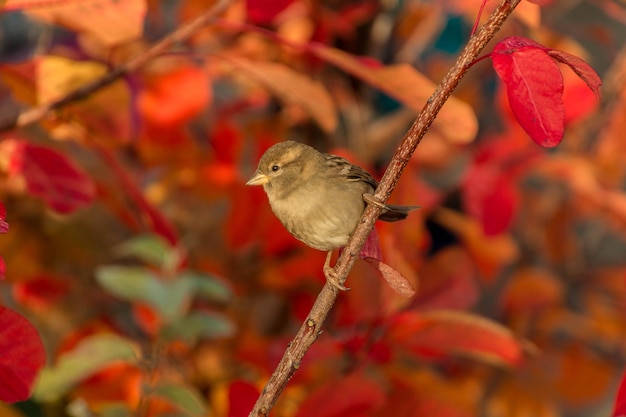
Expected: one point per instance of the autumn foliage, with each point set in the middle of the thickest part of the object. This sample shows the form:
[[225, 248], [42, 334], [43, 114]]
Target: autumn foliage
[[141, 277]]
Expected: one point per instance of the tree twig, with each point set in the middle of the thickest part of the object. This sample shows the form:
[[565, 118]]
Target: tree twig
[[311, 328], [184, 32]]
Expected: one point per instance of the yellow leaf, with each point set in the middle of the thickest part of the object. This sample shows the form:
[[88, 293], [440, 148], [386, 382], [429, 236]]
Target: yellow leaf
[[57, 76]]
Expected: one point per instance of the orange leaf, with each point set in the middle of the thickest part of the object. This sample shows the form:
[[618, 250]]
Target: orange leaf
[[174, 98], [515, 396], [293, 88], [489, 252], [445, 333], [112, 22], [584, 377], [422, 392], [456, 121], [117, 383], [448, 281], [530, 290]]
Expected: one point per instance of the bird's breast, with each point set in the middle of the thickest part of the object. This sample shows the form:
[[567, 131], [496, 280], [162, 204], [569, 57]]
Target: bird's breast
[[320, 218]]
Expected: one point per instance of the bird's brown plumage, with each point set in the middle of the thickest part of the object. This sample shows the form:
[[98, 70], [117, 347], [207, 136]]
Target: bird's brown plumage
[[318, 197]]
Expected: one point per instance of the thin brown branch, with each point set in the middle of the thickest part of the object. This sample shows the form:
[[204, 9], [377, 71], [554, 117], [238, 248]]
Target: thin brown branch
[[312, 326], [184, 32]]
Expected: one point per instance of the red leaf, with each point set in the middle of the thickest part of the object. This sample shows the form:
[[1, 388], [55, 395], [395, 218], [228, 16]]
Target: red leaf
[[445, 333], [150, 215], [22, 356], [371, 248], [4, 226], [40, 292], [619, 410], [581, 68], [51, 176], [264, 11], [580, 100], [490, 197], [372, 254], [241, 398], [350, 396], [226, 141], [395, 279], [534, 86], [149, 320]]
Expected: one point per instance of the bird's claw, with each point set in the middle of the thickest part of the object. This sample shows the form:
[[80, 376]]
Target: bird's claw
[[332, 279], [370, 199], [330, 275]]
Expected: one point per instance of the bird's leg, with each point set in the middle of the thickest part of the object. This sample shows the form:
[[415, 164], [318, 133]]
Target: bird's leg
[[329, 272], [369, 199]]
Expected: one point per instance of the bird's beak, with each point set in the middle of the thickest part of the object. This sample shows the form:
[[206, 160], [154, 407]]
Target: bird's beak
[[258, 179]]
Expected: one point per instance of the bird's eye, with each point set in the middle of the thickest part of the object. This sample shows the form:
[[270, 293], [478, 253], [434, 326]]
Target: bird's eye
[[275, 168]]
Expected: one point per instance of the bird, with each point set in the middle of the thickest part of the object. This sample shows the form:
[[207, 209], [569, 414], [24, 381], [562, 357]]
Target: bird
[[318, 197]]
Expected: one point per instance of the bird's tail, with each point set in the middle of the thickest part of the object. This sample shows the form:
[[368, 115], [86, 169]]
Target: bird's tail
[[393, 213]]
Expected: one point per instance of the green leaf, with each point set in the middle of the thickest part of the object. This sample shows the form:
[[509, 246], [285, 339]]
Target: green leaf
[[169, 298], [131, 283], [151, 249], [199, 325], [208, 286], [185, 398], [90, 356], [116, 410]]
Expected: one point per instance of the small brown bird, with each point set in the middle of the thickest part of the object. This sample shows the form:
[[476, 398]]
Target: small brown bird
[[318, 197]]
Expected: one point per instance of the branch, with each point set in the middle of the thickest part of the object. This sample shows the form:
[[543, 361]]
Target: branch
[[184, 32], [312, 326]]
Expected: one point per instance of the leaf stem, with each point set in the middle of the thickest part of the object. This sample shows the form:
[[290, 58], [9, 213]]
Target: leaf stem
[[478, 16]]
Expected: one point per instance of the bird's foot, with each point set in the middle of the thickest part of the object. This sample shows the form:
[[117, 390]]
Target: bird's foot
[[331, 276], [370, 199]]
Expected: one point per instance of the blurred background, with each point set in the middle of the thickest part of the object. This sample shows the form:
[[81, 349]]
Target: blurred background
[[161, 285]]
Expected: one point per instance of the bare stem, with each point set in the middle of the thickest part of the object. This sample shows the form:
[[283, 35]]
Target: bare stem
[[184, 32], [311, 328]]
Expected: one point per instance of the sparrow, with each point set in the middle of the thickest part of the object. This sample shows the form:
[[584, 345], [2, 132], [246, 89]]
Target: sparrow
[[318, 197]]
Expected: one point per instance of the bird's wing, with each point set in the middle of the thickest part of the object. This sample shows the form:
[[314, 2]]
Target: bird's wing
[[349, 171]]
